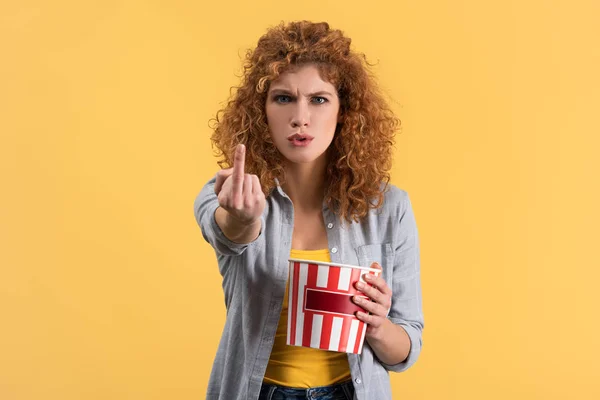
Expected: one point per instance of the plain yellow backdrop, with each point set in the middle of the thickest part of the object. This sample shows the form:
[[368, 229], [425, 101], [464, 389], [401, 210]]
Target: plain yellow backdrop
[[107, 289]]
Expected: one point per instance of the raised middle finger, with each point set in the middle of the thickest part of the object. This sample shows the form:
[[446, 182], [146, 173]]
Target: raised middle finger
[[238, 173]]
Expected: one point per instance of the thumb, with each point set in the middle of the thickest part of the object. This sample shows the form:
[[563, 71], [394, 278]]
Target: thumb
[[376, 265]]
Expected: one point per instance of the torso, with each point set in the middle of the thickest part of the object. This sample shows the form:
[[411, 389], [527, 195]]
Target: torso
[[297, 366], [309, 231]]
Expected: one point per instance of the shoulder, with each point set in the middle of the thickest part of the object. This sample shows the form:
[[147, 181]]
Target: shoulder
[[395, 199], [394, 205], [380, 225], [394, 193]]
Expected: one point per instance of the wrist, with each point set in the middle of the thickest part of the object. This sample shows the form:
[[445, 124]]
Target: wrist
[[378, 336], [236, 230], [238, 224]]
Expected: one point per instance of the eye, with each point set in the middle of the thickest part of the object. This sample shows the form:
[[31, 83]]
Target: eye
[[282, 99], [319, 100]]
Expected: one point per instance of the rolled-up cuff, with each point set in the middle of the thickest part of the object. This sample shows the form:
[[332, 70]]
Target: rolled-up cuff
[[222, 244], [415, 348]]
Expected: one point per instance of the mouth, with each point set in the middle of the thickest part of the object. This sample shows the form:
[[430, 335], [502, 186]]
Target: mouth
[[300, 137]]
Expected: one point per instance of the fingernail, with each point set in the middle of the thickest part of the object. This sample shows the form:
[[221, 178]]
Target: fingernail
[[360, 285], [357, 299], [368, 277]]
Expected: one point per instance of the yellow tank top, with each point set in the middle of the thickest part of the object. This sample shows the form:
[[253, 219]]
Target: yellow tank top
[[303, 367]]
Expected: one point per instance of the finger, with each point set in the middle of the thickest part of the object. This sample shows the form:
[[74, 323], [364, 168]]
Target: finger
[[256, 188], [379, 283], [247, 186], [372, 292], [222, 176], [372, 320], [371, 306], [376, 265], [238, 170]]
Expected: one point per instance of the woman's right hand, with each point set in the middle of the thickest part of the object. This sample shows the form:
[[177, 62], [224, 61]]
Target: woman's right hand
[[238, 193]]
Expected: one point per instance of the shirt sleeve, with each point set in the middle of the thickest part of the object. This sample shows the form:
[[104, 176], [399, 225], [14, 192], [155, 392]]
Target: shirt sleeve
[[205, 205], [406, 309]]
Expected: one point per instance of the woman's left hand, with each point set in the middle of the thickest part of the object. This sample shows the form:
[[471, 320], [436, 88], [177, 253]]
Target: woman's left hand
[[381, 296]]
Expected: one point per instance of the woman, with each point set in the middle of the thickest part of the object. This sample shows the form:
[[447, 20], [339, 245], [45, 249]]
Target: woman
[[308, 140]]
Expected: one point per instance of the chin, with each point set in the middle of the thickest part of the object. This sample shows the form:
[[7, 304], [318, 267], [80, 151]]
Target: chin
[[302, 159], [306, 158]]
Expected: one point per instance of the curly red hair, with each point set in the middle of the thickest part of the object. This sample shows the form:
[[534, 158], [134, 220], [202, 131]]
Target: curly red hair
[[361, 152]]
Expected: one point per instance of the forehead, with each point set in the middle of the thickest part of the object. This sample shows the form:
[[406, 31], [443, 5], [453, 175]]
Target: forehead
[[303, 77]]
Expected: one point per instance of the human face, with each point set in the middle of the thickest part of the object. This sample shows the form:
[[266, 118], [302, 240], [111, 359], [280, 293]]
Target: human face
[[302, 113]]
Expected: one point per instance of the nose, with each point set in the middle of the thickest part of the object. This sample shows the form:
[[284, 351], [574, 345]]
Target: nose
[[301, 115]]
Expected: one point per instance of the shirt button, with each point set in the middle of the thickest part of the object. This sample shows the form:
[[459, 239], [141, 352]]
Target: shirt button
[[334, 250], [358, 381], [330, 225]]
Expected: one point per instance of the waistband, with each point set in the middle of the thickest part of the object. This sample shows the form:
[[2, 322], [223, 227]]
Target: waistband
[[347, 388]]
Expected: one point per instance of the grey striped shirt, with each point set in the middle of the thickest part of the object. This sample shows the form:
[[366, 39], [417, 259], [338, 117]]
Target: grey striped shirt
[[255, 277]]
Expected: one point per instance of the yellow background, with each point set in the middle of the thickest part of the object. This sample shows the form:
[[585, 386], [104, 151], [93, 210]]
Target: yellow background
[[107, 289]]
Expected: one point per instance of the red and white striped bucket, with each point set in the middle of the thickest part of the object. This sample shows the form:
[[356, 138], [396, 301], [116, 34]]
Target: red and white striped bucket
[[321, 313]]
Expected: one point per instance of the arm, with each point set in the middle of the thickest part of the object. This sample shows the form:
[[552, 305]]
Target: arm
[[237, 231], [390, 342], [407, 310], [396, 337]]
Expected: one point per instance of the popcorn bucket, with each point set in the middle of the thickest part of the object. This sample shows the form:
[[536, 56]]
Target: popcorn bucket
[[321, 313]]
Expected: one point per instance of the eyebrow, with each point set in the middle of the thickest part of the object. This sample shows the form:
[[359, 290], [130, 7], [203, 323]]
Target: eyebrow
[[287, 92]]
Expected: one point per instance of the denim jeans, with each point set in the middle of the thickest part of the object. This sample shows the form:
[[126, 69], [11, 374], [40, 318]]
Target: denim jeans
[[340, 391]]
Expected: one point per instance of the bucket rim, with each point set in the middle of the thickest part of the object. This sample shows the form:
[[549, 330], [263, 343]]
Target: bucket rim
[[330, 264]]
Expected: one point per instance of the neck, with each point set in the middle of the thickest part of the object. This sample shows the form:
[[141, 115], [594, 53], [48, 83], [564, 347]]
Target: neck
[[305, 185]]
